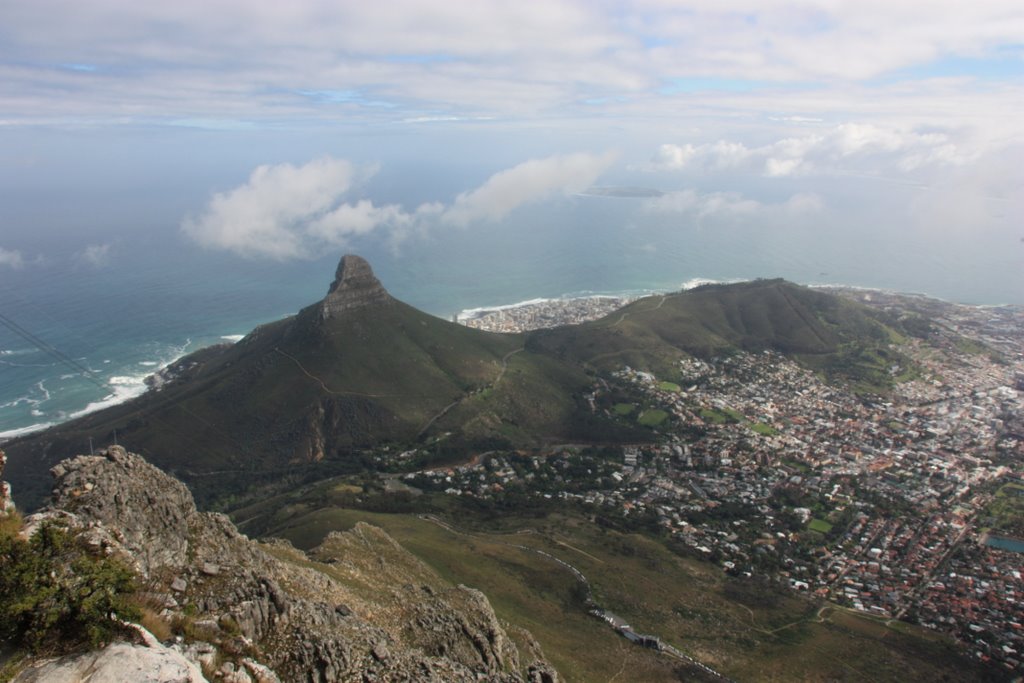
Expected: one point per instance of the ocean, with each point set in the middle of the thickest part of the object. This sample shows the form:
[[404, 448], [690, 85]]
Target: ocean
[[87, 336]]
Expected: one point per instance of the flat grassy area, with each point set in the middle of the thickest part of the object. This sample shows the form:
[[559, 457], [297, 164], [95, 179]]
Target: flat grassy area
[[750, 631], [721, 415], [623, 409], [652, 418], [669, 386], [763, 429], [1006, 511], [820, 525]]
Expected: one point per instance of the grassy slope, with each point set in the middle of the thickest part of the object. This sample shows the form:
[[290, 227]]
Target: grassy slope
[[293, 391], [835, 336], [378, 374], [691, 604]]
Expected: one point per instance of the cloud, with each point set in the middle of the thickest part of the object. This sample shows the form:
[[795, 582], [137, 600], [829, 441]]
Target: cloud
[[288, 212], [732, 205], [95, 255], [647, 68], [282, 211], [845, 147], [11, 258], [117, 63], [529, 182]]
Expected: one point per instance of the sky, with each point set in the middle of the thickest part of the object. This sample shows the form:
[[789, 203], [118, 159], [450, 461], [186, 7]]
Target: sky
[[276, 131]]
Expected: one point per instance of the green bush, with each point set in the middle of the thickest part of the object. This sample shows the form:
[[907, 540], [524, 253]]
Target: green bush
[[56, 596]]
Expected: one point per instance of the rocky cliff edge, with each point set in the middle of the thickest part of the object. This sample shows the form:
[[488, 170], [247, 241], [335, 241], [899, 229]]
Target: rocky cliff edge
[[358, 608]]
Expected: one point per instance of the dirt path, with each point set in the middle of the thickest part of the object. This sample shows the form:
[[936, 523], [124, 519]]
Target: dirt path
[[453, 404], [626, 315]]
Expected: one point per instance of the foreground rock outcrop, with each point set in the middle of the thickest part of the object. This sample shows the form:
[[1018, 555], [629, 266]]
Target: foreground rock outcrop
[[6, 502], [117, 662], [357, 608]]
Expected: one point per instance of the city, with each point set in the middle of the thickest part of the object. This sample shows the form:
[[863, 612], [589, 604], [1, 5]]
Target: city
[[882, 504]]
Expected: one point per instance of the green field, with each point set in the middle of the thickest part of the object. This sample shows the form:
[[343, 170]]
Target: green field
[[820, 525], [669, 386], [623, 409], [1005, 514], [721, 416], [763, 429], [652, 418]]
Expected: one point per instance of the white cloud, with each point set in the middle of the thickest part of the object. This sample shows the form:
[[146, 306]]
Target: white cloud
[[850, 146], [732, 205], [116, 62], [287, 212], [275, 213], [11, 258], [528, 182], [95, 255], [360, 218], [671, 157]]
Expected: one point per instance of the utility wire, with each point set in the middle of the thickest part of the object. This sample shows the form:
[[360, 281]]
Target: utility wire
[[48, 349], [226, 439]]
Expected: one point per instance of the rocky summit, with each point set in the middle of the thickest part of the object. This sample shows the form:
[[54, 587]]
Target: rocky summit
[[355, 286], [357, 608]]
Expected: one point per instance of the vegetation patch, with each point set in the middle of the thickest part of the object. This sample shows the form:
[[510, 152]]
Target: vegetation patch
[[57, 597], [820, 525], [763, 429], [623, 409], [669, 386], [1005, 514], [652, 418], [720, 416], [971, 347]]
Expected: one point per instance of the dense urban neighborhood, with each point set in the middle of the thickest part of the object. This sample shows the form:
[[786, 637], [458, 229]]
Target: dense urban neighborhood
[[907, 505]]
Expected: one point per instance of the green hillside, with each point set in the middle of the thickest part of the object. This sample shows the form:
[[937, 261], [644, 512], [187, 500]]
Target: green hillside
[[303, 393], [842, 339], [303, 398]]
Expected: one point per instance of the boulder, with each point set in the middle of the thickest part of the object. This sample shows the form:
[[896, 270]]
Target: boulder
[[116, 662]]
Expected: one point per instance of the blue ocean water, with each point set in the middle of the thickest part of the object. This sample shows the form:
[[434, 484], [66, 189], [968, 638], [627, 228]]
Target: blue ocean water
[[159, 297]]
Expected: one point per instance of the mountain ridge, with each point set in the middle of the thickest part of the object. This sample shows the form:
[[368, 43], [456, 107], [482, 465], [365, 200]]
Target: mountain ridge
[[359, 370]]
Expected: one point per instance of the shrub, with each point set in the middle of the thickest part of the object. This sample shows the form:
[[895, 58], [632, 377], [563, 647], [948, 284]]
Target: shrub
[[56, 596]]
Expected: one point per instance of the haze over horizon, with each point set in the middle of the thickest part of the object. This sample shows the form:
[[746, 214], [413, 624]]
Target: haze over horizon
[[286, 132]]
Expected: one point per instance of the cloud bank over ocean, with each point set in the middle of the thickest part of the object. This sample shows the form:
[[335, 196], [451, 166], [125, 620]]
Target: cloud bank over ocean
[[286, 212]]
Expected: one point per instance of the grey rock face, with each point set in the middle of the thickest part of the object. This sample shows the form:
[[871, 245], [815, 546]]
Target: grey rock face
[[117, 662], [6, 502], [355, 286], [148, 511], [367, 610]]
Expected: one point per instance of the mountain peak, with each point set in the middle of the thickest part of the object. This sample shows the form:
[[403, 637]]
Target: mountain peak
[[354, 286]]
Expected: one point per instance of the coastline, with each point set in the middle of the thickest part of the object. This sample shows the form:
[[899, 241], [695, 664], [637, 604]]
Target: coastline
[[630, 295], [121, 387], [532, 313]]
